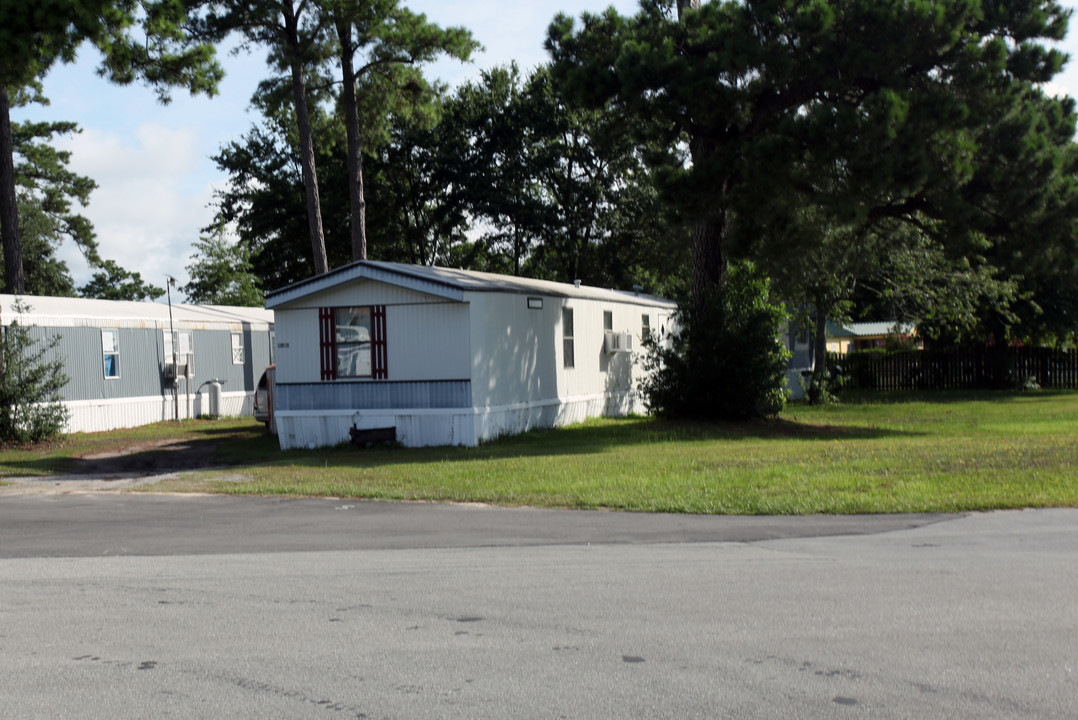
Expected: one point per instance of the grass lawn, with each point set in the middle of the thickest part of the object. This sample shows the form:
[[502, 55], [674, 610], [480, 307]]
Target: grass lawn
[[873, 453]]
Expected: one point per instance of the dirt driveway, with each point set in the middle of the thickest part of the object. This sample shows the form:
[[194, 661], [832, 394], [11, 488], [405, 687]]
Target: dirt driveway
[[117, 470]]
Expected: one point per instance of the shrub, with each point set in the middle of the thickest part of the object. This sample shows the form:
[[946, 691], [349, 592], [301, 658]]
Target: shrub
[[825, 390], [31, 378], [729, 364]]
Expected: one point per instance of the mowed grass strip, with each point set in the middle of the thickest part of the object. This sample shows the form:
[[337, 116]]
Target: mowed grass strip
[[875, 453]]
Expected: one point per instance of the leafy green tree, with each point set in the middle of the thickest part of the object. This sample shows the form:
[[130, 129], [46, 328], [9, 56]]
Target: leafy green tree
[[44, 272], [31, 380], [418, 215], [294, 33], [746, 379], [42, 173], [494, 171], [264, 200], [46, 190], [556, 191], [112, 282], [970, 262], [754, 99], [221, 274], [411, 179], [392, 43], [140, 39]]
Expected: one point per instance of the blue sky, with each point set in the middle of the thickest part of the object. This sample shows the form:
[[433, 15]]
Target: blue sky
[[151, 161]]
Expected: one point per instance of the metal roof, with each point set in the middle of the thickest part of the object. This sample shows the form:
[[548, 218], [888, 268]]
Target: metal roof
[[69, 312], [871, 329], [451, 284]]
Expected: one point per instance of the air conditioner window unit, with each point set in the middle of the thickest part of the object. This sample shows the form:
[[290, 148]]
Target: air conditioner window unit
[[172, 371], [617, 342]]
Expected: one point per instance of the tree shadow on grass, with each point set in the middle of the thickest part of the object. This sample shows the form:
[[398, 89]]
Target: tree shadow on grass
[[590, 438], [211, 447], [190, 448]]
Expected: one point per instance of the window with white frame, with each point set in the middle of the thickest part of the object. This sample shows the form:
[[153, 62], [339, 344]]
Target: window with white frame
[[110, 351], [237, 348], [183, 344], [568, 355]]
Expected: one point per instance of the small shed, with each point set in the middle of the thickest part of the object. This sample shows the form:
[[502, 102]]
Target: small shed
[[452, 357], [851, 337], [128, 364]]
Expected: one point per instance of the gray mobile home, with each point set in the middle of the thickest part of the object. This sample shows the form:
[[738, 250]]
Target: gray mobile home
[[129, 364]]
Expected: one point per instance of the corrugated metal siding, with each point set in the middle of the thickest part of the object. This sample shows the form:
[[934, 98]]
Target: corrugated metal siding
[[212, 360], [436, 394], [261, 354], [81, 351], [142, 361]]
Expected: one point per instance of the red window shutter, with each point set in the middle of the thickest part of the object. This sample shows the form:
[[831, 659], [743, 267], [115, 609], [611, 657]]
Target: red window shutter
[[327, 336], [379, 363]]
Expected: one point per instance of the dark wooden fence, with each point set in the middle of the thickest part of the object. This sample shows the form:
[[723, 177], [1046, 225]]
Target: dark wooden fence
[[976, 369]]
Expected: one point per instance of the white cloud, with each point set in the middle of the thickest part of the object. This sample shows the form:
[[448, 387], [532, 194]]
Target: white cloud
[[152, 198]]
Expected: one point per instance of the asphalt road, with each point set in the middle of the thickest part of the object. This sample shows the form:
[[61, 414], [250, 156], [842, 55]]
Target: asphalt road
[[136, 606], [95, 524]]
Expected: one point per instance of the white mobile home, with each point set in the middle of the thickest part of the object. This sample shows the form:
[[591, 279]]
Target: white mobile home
[[452, 357], [128, 364]]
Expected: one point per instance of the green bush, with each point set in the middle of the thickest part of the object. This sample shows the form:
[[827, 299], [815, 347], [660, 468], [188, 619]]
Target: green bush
[[31, 378], [825, 390], [729, 364]]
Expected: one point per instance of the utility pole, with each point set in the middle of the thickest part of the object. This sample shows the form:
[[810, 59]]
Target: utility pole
[[175, 361]]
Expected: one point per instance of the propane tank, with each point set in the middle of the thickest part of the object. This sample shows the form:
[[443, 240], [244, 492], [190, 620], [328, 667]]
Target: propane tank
[[215, 397]]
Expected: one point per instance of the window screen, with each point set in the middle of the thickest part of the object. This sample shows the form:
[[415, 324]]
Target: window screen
[[110, 350], [568, 357]]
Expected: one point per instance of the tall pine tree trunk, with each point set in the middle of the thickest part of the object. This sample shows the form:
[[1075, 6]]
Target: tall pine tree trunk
[[310, 173], [356, 198], [14, 280], [711, 228], [709, 232]]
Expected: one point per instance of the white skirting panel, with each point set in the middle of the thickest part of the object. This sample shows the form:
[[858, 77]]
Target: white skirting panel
[[456, 426], [100, 415], [415, 428], [520, 417]]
